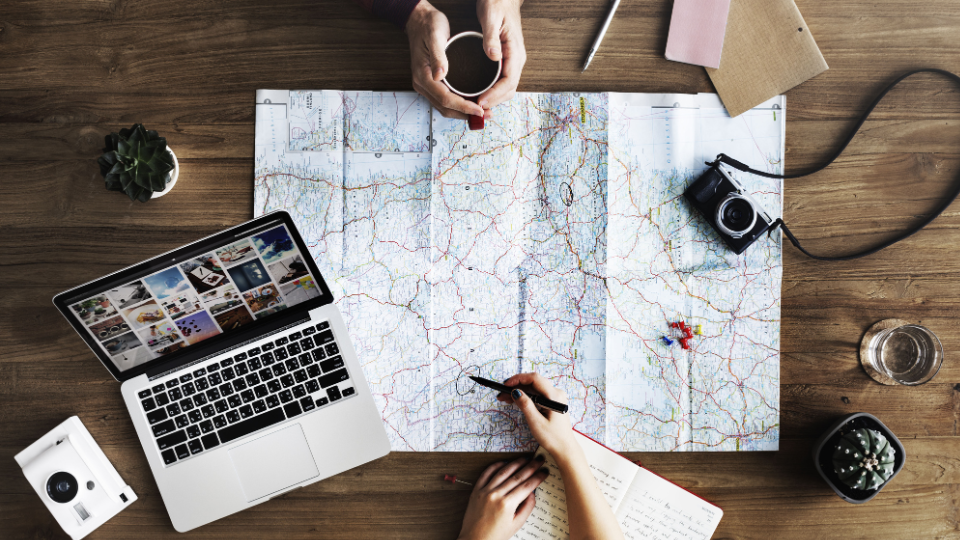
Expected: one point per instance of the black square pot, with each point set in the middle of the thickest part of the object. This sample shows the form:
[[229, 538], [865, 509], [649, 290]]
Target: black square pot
[[823, 456]]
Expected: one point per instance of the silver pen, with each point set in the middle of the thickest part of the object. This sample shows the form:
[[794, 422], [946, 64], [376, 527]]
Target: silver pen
[[596, 43]]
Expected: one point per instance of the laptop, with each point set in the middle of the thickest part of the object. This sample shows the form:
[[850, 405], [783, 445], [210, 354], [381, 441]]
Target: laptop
[[236, 368]]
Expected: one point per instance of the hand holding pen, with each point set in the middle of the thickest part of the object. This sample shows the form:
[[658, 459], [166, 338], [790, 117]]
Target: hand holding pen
[[503, 497], [551, 429], [540, 401], [589, 512]]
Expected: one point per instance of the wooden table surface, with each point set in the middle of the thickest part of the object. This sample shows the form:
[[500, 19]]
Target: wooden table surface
[[71, 72]]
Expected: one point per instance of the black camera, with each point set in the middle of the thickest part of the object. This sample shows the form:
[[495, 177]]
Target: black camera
[[728, 208]]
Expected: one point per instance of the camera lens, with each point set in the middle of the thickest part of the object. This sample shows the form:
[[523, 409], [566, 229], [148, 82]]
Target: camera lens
[[62, 487], [736, 215]]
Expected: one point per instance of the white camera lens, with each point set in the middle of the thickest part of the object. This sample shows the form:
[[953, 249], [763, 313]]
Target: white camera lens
[[62, 487], [735, 215]]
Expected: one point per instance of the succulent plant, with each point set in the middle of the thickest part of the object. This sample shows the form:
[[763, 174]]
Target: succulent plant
[[136, 161], [864, 459]]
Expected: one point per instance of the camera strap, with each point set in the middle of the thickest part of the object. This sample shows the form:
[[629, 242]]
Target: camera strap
[[727, 160]]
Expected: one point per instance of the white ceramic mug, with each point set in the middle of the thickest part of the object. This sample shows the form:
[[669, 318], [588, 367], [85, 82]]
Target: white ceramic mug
[[475, 122]]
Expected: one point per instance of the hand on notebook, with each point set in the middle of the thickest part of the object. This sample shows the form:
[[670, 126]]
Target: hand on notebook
[[551, 429], [589, 513], [502, 500]]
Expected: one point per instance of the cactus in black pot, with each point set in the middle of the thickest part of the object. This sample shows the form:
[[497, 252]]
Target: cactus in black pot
[[864, 459]]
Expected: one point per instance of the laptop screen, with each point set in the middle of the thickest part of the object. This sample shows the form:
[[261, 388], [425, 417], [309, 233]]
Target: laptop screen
[[229, 285]]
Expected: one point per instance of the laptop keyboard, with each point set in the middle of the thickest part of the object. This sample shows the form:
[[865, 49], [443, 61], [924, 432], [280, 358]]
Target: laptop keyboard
[[228, 399]]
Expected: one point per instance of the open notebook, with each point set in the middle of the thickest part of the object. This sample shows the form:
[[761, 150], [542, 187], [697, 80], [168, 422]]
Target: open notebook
[[646, 505]]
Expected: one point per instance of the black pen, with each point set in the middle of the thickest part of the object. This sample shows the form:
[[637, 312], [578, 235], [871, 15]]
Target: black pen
[[539, 400]]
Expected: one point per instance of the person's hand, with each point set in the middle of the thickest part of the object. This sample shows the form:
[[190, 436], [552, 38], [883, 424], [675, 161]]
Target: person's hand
[[502, 38], [502, 500], [552, 429], [429, 31]]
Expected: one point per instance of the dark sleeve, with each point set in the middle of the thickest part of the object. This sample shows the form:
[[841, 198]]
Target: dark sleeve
[[395, 11]]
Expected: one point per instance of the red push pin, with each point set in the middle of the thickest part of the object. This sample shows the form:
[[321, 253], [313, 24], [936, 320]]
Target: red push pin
[[453, 480]]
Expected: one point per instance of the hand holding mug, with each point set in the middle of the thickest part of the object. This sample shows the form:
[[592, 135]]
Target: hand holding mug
[[503, 41], [471, 71], [429, 31], [429, 34]]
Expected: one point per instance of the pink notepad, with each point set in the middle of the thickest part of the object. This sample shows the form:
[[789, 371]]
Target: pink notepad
[[696, 31]]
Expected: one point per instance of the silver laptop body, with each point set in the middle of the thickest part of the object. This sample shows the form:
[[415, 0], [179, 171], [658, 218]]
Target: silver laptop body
[[237, 369]]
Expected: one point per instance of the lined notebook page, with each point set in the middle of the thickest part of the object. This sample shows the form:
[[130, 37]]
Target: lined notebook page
[[656, 509], [614, 474]]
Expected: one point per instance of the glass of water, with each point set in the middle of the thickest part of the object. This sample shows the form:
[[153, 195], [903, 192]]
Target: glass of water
[[909, 354]]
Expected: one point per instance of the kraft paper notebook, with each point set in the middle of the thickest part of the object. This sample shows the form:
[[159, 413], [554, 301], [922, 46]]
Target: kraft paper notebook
[[768, 50], [645, 504]]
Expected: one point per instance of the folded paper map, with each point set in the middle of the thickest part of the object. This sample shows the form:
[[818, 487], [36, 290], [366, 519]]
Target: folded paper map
[[555, 240]]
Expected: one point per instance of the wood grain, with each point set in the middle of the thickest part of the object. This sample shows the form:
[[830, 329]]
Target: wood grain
[[71, 72]]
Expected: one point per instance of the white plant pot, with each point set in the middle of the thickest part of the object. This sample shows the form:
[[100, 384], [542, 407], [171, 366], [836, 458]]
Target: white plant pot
[[173, 176]]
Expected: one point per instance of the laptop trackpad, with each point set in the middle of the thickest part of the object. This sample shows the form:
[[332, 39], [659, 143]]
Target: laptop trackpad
[[273, 462]]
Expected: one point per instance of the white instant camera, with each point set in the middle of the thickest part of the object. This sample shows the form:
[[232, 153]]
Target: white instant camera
[[74, 479]]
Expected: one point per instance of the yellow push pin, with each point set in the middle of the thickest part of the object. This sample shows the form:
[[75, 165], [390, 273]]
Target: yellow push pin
[[698, 330]]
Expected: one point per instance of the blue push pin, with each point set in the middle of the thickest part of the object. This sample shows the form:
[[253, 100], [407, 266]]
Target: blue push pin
[[667, 340]]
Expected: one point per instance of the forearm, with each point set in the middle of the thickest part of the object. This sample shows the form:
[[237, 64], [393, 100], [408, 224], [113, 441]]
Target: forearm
[[588, 512]]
